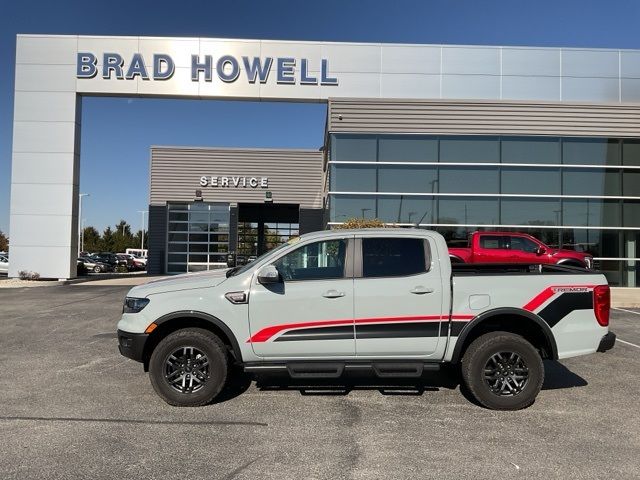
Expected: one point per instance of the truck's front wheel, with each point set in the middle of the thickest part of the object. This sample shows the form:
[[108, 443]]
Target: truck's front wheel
[[502, 371], [189, 367]]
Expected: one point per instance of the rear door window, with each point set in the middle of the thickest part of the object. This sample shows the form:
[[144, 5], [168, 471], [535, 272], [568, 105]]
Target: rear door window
[[493, 242], [393, 257]]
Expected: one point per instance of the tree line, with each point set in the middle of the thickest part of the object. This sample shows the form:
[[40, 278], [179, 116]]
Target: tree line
[[116, 239]]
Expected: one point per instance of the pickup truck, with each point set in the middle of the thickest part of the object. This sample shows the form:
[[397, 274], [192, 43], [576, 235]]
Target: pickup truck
[[384, 301], [508, 247]]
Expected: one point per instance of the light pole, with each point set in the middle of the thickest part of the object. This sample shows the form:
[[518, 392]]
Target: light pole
[[142, 233], [80, 221]]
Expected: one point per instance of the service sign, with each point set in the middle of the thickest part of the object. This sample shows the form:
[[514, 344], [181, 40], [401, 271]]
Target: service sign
[[226, 68], [234, 182]]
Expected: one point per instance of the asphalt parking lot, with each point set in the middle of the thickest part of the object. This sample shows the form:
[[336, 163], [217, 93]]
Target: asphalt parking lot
[[72, 407]]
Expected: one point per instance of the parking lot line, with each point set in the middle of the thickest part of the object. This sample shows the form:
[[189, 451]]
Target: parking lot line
[[627, 343], [624, 310]]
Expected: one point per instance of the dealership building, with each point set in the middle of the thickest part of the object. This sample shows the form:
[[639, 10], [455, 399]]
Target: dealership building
[[454, 138]]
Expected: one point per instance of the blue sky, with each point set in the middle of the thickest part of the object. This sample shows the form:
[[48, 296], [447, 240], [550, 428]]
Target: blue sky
[[117, 133]]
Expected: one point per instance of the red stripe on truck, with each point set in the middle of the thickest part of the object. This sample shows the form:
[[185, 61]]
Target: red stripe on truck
[[549, 292], [268, 332]]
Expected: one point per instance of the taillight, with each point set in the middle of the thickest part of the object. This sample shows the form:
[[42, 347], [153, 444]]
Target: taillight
[[602, 304]]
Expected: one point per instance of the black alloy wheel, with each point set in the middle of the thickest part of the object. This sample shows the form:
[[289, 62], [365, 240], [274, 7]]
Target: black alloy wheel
[[506, 373], [189, 367], [502, 371]]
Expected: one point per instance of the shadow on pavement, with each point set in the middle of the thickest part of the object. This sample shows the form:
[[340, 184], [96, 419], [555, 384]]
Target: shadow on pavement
[[557, 376]]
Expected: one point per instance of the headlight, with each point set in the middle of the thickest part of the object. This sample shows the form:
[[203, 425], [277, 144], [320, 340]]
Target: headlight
[[134, 305]]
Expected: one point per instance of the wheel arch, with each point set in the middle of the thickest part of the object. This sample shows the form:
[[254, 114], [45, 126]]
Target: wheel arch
[[571, 262], [456, 259], [172, 322], [528, 324]]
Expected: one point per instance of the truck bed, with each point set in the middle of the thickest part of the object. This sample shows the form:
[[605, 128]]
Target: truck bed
[[473, 269]]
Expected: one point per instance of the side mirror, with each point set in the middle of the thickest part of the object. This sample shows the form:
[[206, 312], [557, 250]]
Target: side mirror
[[269, 274], [541, 251]]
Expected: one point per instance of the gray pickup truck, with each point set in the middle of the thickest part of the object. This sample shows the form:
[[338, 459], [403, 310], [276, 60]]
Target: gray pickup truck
[[384, 301]]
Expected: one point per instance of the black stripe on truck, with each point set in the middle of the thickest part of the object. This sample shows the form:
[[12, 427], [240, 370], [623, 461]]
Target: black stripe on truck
[[374, 330], [564, 304]]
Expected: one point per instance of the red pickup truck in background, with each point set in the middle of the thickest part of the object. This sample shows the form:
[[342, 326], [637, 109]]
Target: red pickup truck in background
[[508, 247]]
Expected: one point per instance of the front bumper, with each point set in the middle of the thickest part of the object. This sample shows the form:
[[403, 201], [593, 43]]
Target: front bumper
[[607, 342], [131, 345]]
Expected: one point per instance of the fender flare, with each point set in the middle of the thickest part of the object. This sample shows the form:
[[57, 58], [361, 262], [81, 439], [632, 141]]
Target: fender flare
[[458, 258], [572, 262], [489, 314], [206, 318]]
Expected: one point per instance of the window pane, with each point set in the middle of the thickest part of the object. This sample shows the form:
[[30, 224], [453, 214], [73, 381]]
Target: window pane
[[316, 261], [631, 183], [177, 237], [471, 150], [590, 182], [599, 243], [407, 179], [530, 150], [591, 212], [344, 207], [529, 211], [392, 257], [179, 216], [631, 152], [492, 242], [631, 213], [468, 180], [407, 149], [353, 178], [406, 209], [468, 211], [353, 148], [590, 151], [533, 181]]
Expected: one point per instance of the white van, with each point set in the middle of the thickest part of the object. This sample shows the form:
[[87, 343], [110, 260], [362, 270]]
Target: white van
[[138, 252]]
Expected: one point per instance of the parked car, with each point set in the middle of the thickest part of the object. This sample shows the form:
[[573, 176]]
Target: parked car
[[127, 261], [4, 264], [118, 262], [138, 262], [508, 247], [94, 265], [382, 300]]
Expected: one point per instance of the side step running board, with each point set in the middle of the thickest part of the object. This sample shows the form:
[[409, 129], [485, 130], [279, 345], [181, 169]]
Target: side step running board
[[327, 369]]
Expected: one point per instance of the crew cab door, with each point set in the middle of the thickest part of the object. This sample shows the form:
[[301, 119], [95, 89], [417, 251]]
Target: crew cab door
[[309, 313], [398, 297], [524, 249], [491, 248]]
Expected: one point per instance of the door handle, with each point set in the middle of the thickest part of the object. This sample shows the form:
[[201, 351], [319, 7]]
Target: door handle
[[333, 294], [420, 290]]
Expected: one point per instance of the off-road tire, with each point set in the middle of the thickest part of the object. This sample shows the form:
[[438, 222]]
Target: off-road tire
[[203, 341], [481, 353]]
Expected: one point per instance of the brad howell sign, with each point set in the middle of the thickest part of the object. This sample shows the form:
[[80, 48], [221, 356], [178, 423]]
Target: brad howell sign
[[234, 182], [227, 68]]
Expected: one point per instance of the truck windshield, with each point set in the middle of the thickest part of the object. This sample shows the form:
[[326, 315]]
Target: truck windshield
[[238, 270]]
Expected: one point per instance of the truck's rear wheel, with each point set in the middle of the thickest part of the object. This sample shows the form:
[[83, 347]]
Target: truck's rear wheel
[[502, 371], [189, 367]]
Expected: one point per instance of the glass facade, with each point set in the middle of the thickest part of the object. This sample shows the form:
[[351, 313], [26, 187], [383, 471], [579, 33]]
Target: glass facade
[[197, 236], [574, 193]]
